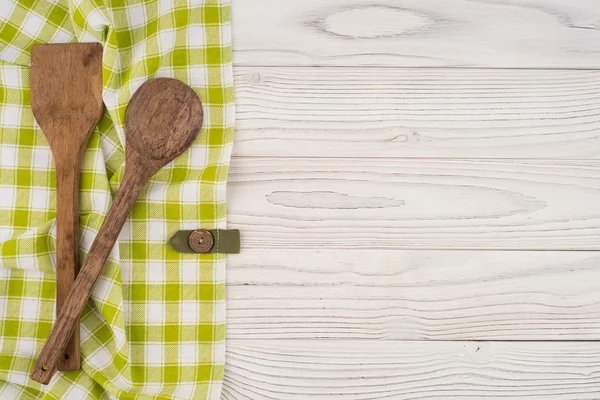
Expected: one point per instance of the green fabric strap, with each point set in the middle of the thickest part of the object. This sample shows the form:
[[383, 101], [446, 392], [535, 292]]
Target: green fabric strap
[[227, 241]]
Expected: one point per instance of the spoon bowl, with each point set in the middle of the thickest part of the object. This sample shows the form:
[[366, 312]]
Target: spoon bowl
[[162, 120]]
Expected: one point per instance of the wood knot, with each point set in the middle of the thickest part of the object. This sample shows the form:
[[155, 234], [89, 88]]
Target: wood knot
[[374, 22], [254, 77]]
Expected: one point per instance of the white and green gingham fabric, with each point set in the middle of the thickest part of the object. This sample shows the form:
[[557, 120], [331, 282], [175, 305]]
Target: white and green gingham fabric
[[155, 326]]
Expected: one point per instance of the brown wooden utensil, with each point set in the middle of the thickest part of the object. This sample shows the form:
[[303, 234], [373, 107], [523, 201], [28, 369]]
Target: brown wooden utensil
[[163, 119], [66, 99]]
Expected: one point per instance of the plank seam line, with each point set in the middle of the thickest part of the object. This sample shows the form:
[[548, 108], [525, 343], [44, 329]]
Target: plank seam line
[[516, 341], [492, 249], [462, 67], [390, 158]]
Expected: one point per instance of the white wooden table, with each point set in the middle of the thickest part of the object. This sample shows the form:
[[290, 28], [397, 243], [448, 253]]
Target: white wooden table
[[418, 187]]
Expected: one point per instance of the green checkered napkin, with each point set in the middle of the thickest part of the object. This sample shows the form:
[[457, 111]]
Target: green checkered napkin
[[155, 326]]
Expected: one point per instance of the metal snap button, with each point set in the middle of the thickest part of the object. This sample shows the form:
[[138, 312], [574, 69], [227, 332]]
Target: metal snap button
[[201, 241]]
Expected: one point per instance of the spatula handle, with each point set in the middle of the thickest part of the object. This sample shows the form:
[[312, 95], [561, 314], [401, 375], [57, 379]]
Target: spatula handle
[[67, 249], [67, 319]]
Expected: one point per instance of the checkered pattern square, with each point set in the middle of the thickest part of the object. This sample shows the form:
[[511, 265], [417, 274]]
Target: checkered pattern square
[[154, 327]]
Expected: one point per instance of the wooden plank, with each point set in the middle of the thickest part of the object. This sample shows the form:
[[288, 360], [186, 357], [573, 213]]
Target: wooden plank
[[367, 370], [433, 33], [413, 295], [384, 112], [415, 204]]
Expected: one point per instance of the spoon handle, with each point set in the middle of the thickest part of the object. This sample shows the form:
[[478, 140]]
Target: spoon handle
[[67, 320], [67, 246]]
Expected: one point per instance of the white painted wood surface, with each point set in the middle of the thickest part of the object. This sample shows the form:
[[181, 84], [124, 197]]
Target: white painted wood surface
[[418, 33], [428, 112], [413, 295], [415, 233], [366, 370], [415, 204]]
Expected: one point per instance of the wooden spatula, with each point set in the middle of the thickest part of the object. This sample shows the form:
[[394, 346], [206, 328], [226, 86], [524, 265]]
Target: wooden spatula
[[163, 119], [66, 99]]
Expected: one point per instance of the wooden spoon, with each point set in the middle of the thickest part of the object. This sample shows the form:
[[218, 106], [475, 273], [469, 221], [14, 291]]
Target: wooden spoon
[[163, 119], [66, 99]]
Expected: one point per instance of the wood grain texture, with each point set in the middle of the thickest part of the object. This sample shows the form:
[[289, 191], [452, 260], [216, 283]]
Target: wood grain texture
[[163, 118], [368, 370], [441, 113], [66, 99], [434, 33], [413, 295], [362, 164], [415, 204]]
